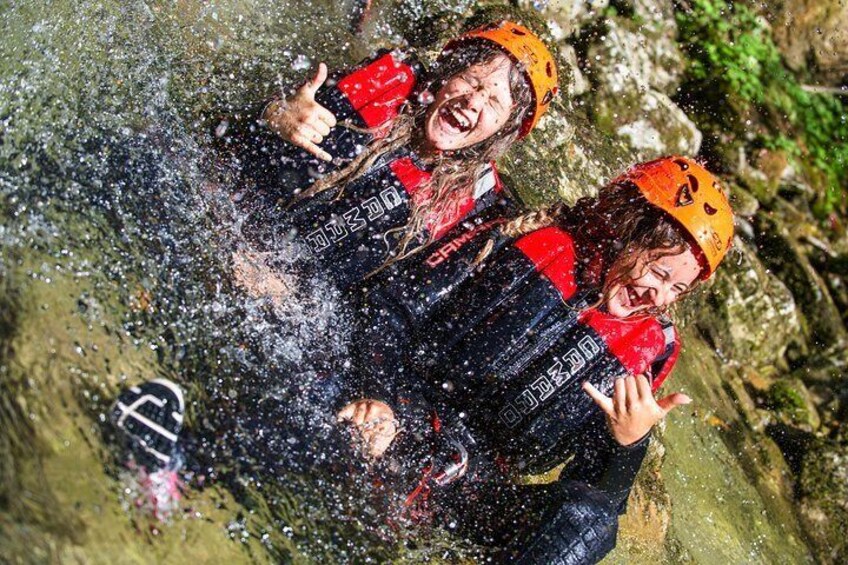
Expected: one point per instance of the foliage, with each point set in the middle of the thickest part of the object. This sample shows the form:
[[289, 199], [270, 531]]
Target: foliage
[[782, 397], [735, 70]]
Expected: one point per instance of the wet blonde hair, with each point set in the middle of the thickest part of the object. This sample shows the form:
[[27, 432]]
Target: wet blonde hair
[[454, 173]]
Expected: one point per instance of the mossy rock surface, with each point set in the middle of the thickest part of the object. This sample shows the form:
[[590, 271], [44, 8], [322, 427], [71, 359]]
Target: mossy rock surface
[[747, 312], [782, 253], [823, 491], [729, 486]]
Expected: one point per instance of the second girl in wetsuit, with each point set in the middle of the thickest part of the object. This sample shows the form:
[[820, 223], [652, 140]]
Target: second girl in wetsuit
[[500, 333], [369, 167]]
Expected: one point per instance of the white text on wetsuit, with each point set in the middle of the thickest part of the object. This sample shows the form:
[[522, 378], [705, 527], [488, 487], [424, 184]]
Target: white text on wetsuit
[[354, 219], [563, 367]]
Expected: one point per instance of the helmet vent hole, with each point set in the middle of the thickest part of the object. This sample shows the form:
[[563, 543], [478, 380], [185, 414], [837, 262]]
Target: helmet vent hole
[[684, 196], [518, 32], [684, 166], [549, 69], [693, 183], [709, 209]]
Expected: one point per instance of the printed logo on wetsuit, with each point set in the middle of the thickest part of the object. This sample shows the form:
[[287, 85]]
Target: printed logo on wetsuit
[[560, 371], [354, 219], [445, 251]]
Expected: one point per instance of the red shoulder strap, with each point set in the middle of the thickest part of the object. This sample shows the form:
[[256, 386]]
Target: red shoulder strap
[[552, 252], [662, 367], [410, 176], [636, 343], [378, 89]]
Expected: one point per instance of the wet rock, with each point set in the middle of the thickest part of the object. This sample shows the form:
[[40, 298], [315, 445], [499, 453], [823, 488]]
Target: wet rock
[[755, 180], [781, 251], [824, 499], [811, 35], [824, 377], [794, 405], [748, 314], [557, 163], [644, 528], [630, 54], [568, 16], [744, 203], [632, 68], [652, 124], [578, 83], [659, 12], [729, 484], [774, 164]]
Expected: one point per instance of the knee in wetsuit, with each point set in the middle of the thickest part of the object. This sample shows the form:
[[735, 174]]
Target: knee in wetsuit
[[579, 528]]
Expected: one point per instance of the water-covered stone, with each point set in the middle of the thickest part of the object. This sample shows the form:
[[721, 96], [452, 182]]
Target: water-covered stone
[[631, 69], [570, 15], [747, 312], [824, 498], [811, 35], [821, 323]]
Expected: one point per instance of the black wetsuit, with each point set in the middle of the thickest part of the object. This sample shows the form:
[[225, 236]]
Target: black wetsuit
[[499, 353]]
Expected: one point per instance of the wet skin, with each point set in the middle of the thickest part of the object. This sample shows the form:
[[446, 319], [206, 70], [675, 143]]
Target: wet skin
[[654, 283], [470, 107]]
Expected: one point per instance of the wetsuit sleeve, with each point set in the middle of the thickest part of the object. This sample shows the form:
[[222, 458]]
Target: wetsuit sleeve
[[580, 525], [602, 462]]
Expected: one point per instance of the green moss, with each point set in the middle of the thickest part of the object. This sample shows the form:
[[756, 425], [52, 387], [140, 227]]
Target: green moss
[[823, 490], [783, 398], [738, 83]]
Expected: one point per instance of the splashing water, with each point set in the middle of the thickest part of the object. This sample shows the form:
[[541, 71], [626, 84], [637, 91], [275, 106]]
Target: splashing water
[[154, 496], [113, 242]]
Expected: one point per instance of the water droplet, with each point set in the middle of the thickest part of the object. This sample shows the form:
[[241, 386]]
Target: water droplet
[[301, 63]]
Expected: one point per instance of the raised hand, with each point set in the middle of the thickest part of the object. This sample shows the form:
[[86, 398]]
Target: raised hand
[[300, 120], [375, 421], [632, 411]]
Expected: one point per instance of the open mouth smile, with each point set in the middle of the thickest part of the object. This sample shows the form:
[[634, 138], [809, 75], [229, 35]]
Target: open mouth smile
[[455, 119], [633, 299]]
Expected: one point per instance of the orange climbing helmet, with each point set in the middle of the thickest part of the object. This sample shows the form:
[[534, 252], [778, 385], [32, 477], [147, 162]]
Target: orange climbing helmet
[[691, 195], [525, 48]]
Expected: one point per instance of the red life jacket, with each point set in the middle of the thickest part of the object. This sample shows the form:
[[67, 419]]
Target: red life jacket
[[509, 344]]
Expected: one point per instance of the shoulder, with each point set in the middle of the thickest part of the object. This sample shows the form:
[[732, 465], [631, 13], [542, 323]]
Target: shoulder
[[646, 345], [547, 244], [379, 87], [387, 70], [551, 250]]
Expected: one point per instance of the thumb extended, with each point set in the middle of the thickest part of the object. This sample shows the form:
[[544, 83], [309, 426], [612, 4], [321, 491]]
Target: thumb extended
[[672, 401], [313, 84]]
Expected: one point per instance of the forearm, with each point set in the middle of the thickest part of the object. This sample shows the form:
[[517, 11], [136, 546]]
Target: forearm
[[605, 464]]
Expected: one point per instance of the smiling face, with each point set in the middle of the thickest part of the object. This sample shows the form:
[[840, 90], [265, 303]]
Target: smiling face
[[471, 106], [653, 282]]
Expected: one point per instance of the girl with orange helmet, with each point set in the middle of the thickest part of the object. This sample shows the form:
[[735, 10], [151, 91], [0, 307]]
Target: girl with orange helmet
[[370, 166], [545, 339]]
